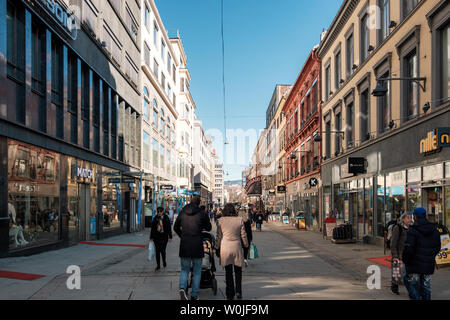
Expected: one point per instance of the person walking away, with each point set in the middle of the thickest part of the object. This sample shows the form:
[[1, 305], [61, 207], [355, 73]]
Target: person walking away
[[259, 221], [248, 231], [398, 240], [231, 236], [422, 244], [189, 226], [160, 234]]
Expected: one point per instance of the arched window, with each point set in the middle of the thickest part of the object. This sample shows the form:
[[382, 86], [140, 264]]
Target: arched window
[[155, 104]]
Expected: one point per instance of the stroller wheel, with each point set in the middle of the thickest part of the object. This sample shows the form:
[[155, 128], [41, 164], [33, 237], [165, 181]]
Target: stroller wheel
[[214, 286]]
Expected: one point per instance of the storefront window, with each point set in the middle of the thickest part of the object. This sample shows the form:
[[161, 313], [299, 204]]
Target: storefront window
[[33, 195], [315, 210], [414, 175], [447, 169], [360, 209], [447, 206], [368, 205], [381, 217], [326, 201], [73, 201], [111, 199], [339, 198], [395, 195], [432, 172], [414, 199]]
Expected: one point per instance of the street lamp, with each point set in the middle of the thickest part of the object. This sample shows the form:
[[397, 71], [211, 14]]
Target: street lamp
[[318, 138], [381, 91]]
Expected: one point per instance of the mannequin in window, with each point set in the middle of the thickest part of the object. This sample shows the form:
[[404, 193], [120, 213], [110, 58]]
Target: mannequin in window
[[14, 229]]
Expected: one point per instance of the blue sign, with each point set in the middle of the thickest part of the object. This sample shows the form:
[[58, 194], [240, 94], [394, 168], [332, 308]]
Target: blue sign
[[93, 225]]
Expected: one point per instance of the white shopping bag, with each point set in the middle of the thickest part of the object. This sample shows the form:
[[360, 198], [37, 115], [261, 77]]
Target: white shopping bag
[[151, 251]]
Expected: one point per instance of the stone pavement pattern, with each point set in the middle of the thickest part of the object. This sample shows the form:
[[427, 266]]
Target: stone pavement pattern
[[292, 265]]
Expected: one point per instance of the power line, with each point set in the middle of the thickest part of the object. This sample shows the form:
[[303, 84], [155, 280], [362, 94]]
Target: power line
[[223, 77]]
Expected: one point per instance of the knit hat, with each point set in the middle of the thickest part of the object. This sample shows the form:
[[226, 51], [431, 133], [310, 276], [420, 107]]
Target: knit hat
[[420, 212]]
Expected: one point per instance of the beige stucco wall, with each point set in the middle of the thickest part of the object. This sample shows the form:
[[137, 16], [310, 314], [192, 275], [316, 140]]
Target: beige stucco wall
[[402, 29]]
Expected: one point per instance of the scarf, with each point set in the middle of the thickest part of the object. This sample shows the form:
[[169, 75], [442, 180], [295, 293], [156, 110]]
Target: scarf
[[160, 227]]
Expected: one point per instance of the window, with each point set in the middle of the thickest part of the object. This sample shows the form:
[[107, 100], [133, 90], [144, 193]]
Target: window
[[155, 35], [314, 97], [163, 47], [169, 62], [155, 69], [445, 62], [146, 150], [161, 157], [384, 110], [385, 20], [174, 72], [168, 162], [96, 112], [350, 125], [407, 7], [349, 56], [147, 17], [338, 127], [15, 51], [337, 70], [328, 139], [146, 104], [364, 116], [38, 58], [131, 70], [147, 55], [72, 97], [364, 38], [327, 82], [113, 45], [155, 153], [411, 88], [131, 23]]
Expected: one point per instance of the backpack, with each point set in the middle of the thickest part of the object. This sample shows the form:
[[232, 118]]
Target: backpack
[[389, 226], [390, 229]]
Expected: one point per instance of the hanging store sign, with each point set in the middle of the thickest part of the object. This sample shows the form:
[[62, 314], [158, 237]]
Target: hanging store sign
[[313, 182], [66, 20], [281, 189], [356, 165]]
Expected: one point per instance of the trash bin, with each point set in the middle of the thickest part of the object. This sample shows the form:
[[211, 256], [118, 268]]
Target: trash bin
[[300, 220]]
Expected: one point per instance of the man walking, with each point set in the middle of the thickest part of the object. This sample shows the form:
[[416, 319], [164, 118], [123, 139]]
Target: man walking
[[422, 245], [189, 226]]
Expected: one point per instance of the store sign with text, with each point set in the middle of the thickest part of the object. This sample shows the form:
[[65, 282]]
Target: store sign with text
[[435, 140]]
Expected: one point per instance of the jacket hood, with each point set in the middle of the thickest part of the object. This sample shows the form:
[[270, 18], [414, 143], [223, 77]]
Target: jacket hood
[[424, 226], [191, 209]]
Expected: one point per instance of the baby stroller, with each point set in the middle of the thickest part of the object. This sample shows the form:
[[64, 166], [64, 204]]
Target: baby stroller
[[208, 279]]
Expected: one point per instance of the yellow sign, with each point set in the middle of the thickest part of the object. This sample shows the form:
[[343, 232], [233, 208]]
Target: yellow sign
[[443, 257], [430, 143]]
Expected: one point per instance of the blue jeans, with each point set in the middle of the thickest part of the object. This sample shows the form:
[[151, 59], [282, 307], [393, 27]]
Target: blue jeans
[[197, 274], [418, 286]]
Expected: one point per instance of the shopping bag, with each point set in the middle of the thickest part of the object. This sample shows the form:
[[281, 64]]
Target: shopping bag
[[253, 254], [151, 251]]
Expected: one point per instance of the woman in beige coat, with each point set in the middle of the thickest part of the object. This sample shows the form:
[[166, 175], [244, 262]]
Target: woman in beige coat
[[231, 236]]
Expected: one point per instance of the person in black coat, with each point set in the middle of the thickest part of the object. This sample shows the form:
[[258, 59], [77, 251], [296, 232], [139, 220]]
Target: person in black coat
[[423, 243], [189, 226], [160, 234], [248, 230]]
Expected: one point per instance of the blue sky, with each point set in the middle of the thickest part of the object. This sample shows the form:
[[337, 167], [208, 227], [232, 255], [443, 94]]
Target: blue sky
[[266, 43]]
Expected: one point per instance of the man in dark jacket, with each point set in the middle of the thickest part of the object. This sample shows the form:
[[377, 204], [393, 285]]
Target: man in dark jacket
[[189, 226], [423, 243]]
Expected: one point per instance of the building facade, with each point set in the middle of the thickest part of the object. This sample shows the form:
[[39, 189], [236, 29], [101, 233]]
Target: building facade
[[202, 163], [70, 108], [380, 145], [302, 152], [219, 184]]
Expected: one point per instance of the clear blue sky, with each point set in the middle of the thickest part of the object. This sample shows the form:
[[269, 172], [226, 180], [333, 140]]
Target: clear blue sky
[[266, 43]]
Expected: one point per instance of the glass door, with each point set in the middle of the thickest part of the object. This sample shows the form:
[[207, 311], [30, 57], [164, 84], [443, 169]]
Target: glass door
[[433, 198], [84, 211]]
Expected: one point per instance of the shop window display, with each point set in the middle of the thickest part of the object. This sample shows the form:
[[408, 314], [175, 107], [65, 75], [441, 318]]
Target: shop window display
[[111, 198], [447, 206], [414, 198], [381, 216], [339, 197], [368, 206], [395, 195], [33, 195]]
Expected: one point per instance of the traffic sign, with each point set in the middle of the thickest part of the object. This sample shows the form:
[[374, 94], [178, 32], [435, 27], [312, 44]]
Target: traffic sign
[[313, 182]]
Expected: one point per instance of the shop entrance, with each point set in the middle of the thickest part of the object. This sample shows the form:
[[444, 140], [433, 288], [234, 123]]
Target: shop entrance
[[353, 208], [84, 211], [433, 203]]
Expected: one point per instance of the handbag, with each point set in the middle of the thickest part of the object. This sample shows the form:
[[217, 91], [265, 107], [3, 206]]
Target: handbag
[[151, 251], [253, 254]]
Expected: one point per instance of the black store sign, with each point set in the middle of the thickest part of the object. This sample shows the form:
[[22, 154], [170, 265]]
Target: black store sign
[[281, 189], [356, 165]]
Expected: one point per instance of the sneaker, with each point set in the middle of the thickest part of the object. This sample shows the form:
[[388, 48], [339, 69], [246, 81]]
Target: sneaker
[[195, 298], [246, 262], [395, 292], [238, 296], [183, 295], [157, 268], [164, 264]]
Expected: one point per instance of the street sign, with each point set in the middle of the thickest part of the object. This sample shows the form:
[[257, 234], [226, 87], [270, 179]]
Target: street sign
[[313, 182], [128, 180], [167, 187], [281, 189]]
